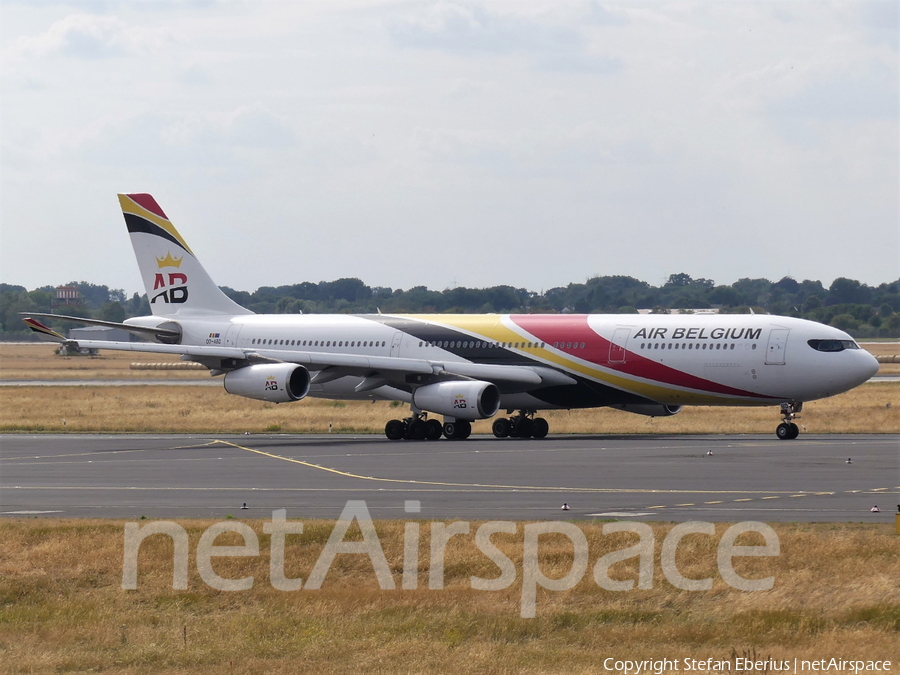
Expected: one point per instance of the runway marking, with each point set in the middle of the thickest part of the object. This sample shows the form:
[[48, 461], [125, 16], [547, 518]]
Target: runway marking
[[27, 513], [743, 500], [409, 481], [111, 452], [619, 514]]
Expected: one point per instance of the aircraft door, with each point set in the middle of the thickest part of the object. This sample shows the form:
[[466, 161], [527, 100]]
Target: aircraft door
[[395, 343], [775, 348], [231, 335], [617, 346]]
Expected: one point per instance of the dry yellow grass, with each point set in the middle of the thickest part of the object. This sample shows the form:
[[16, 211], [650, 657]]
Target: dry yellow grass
[[871, 408], [62, 608], [39, 362]]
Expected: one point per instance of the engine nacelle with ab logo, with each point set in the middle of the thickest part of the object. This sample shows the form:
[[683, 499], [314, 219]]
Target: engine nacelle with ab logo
[[275, 382], [463, 400]]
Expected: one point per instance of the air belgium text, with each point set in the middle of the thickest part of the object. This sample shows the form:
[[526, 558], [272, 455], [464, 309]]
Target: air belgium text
[[700, 333]]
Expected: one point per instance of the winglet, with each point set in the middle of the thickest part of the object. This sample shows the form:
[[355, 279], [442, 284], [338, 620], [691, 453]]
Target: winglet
[[44, 332]]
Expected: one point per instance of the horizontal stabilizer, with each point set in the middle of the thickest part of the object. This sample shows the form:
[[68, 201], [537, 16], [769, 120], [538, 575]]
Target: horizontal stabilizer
[[140, 331]]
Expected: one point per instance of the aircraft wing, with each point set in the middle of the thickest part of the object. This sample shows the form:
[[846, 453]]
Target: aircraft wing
[[512, 378]]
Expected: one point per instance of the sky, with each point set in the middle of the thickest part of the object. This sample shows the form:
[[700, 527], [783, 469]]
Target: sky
[[529, 143]]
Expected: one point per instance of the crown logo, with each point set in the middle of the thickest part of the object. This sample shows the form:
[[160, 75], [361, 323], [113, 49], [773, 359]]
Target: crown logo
[[169, 261]]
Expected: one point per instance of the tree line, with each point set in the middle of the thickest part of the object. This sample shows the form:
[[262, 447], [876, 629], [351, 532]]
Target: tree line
[[863, 311]]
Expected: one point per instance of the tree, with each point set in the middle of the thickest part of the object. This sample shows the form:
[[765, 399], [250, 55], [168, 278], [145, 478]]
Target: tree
[[847, 291], [845, 322], [112, 311], [812, 302], [681, 279]]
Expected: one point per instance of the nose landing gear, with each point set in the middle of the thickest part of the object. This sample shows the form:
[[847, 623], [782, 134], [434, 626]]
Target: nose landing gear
[[788, 429]]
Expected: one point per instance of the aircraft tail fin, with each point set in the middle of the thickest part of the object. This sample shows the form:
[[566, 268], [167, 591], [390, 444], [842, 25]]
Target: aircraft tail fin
[[175, 281]]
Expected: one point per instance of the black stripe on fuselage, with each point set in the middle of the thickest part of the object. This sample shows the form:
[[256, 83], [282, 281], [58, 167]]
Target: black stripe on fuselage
[[137, 224], [585, 394]]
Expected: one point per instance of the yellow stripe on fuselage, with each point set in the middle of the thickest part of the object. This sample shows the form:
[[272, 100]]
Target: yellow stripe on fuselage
[[491, 327]]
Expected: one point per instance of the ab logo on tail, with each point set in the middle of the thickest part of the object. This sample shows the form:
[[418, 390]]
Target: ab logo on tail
[[173, 284]]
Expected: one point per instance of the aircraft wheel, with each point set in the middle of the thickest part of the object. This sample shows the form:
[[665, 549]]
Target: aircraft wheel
[[524, 428], [463, 429], [450, 430], [435, 429], [501, 427], [784, 431], [795, 430], [539, 427], [417, 431], [394, 430]]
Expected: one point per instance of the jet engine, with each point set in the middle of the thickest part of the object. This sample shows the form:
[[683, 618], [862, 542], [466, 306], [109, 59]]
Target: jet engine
[[649, 409], [464, 400], [274, 382]]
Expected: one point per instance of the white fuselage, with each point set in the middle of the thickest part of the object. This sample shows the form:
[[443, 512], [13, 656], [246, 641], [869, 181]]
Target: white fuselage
[[667, 359]]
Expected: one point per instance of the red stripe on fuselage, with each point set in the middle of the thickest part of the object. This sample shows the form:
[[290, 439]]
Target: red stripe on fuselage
[[575, 329]]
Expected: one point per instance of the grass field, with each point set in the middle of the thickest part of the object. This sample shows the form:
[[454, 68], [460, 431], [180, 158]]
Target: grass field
[[62, 608], [871, 408]]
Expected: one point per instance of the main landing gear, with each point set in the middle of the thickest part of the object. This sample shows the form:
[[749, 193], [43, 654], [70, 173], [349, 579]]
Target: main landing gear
[[523, 425], [417, 427], [788, 429]]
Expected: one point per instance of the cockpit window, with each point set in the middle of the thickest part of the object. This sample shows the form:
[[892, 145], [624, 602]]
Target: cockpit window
[[832, 345]]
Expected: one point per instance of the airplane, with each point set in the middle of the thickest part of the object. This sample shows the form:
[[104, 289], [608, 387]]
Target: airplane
[[467, 367]]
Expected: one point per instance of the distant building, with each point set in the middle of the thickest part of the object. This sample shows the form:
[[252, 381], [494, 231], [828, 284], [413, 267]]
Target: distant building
[[99, 333], [94, 333], [67, 295]]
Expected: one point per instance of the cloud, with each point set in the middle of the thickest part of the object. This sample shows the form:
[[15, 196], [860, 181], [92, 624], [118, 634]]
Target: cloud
[[474, 31], [881, 20], [845, 97], [250, 126], [85, 36]]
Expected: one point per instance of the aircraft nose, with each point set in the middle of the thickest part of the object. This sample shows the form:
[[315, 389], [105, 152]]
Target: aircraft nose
[[870, 366]]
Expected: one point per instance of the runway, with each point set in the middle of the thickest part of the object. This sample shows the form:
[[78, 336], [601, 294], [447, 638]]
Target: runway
[[668, 478]]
